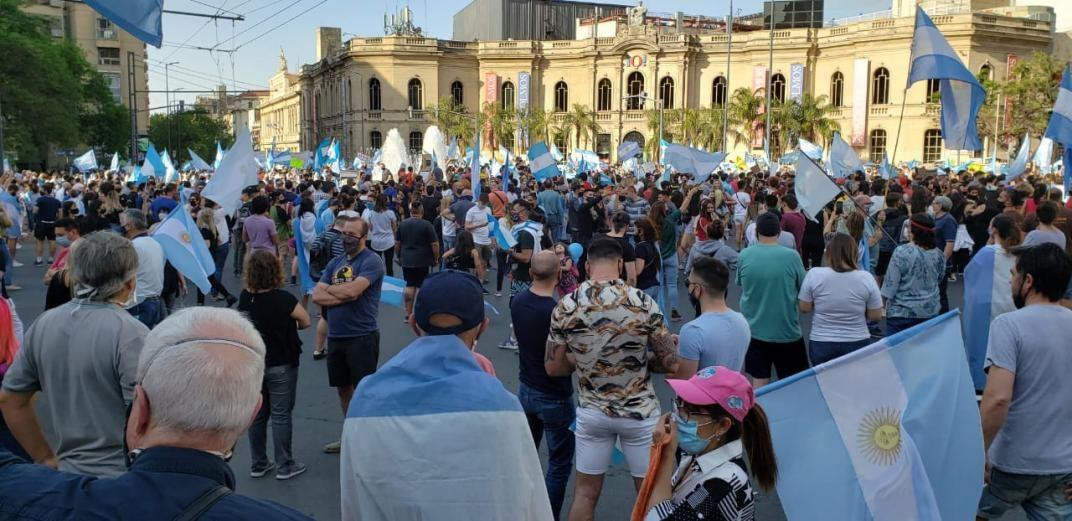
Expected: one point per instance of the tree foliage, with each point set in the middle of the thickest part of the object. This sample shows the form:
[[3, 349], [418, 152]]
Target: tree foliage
[[51, 96], [581, 123], [1031, 91], [193, 129]]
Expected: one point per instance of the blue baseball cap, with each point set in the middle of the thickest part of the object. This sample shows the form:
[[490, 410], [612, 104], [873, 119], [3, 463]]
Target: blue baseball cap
[[449, 292]]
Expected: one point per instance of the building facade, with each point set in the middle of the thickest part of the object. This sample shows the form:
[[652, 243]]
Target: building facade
[[280, 112], [106, 47], [364, 87], [485, 20]]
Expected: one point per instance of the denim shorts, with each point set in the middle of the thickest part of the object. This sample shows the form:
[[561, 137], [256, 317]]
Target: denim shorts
[[1042, 497]]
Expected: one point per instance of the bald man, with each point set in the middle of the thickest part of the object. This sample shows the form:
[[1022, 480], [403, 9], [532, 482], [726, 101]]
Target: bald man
[[547, 400]]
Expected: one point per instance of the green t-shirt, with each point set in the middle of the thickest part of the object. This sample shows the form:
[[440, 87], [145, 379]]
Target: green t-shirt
[[668, 234], [770, 276]]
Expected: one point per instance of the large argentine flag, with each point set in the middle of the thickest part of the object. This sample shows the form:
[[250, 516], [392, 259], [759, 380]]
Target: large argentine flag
[[692, 161], [889, 432], [237, 171], [1060, 127], [810, 149], [140, 18], [197, 163], [813, 188], [184, 248], [843, 159], [962, 94], [542, 163], [628, 150], [986, 295], [407, 443]]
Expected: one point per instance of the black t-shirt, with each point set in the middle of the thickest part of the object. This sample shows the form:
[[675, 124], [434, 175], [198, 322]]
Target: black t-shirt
[[531, 315], [48, 208], [58, 292], [647, 277], [417, 237], [628, 252], [525, 241], [213, 241], [270, 314]]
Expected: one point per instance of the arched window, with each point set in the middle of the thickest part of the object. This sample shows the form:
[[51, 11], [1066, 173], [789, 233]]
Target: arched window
[[457, 93], [507, 95], [416, 139], [837, 89], [666, 92], [985, 72], [561, 97], [603, 98], [374, 95], [932, 145], [877, 150], [934, 91], [375, 139], [880, 87], [777, 84], [349, 93], [634, 89], [718, 92], [561, 143], [416, 94]]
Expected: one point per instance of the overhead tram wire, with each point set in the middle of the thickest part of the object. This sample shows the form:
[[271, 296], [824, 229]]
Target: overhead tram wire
[[204, 76], [255, 38], [217, 8], [193, 34], [262, 21]]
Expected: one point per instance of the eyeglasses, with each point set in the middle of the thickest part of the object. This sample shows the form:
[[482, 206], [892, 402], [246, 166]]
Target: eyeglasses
[[352, 236], [684, 412]]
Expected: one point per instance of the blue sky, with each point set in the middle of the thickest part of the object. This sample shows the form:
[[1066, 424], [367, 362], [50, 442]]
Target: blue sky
[[289, 24]]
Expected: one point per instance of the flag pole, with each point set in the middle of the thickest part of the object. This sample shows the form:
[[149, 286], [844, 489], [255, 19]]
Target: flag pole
[[897, 139]]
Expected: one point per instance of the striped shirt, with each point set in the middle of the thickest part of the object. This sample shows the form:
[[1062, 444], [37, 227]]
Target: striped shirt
[[711, 487]]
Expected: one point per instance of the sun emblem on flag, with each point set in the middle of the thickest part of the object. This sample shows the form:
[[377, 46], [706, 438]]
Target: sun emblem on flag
[[186, 237], [879, 436]]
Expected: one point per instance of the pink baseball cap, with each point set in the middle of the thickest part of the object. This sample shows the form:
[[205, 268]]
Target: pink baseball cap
[[717, 384]]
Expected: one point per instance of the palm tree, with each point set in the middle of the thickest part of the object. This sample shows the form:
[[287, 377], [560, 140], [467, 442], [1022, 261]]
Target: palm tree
[[746, 112], [501, 124], [690, 124], [710, 132], [452, 120], [814, 120], [582, 122], [537, 123], [670, 120]]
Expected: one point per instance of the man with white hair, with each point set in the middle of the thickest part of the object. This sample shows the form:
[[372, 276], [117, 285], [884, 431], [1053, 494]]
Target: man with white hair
[[199, 386], [85, 354]]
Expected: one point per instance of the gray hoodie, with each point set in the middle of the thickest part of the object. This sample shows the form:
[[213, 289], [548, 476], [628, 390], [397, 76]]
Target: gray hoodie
[[712, 248]]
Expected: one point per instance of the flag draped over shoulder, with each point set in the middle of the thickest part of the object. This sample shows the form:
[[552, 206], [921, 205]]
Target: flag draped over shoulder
[[843, 160], [961, 93], [888, 432], [812, 187], [1060, 126], [237, 171], [140, 18], [986, 295], [692, 161], [184, 247]]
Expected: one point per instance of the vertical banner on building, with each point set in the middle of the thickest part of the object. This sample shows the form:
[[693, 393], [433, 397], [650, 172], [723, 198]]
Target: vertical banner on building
[[861, 71], [796, 82], [1010, 64], [759, 81], [523, 81], [491, 87]]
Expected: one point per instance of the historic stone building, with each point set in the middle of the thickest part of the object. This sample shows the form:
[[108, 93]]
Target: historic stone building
[[360, 89], [280, 111]]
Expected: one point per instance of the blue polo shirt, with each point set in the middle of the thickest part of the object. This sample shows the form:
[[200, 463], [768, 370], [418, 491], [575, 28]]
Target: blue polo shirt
[[355, 317]]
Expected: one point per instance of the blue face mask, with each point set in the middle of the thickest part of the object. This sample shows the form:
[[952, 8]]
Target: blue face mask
[[688, 438]]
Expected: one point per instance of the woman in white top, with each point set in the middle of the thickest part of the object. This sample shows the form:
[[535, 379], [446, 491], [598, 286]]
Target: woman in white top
[[843, 298], [382, 227], [307, 226]]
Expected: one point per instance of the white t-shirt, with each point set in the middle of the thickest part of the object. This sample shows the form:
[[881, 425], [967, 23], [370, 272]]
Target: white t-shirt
[[150, 278], [740, 210], [223, 234], [477, 216], [381, 232], [840, 302]]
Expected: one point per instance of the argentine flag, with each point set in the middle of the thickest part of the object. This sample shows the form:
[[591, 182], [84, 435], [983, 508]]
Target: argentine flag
[[141, 18], [986, 295], [1043, 158], [692, 161], [888, 432], [114, 167], [153, 166], [391, 291], [1019, 165], [502, 233], [452, 150], [627, 150], [810, 149], [170, 173], [219, 156], [474, 168], [197, 163], [86, 162], [304, 273], [184, 248], [555, 153], [843, 160], [962, 94], [812, 187], [1060, 127], [884, 167], [542, 162]]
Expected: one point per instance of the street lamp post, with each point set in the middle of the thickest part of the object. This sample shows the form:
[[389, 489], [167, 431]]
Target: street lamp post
[[644, 98], [770, 71], [726, 91], [167, 97]]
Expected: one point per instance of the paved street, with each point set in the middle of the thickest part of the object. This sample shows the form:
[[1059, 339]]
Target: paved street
[[318, 419]]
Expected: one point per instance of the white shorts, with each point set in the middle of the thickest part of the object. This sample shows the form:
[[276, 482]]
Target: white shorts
[[595, 436]]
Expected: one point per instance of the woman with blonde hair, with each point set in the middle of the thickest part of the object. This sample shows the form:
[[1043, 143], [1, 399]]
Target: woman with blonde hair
[[206, 222]]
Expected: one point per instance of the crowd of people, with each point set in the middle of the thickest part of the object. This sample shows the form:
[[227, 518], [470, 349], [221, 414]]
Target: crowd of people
[[146, 399]]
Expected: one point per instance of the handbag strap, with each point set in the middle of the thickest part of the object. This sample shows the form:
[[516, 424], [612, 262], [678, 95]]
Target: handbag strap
[[203, 503]]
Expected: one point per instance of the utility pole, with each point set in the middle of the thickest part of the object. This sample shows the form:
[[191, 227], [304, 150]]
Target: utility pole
[[726, 92], [770, 70], [167, 97], [132, 104]]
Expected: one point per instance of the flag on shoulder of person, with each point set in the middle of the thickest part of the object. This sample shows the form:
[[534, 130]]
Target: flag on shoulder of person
[[891, 431], [184, 248], [983, 302], [304, 272]]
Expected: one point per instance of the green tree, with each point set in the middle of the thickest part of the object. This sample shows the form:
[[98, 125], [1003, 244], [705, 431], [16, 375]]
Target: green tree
[[746, 112], [582, 124], [105, 124], [670, 119], [453, 120], [500, 126], [193, 129], [1031, 91], [811, 118], [51, 95], [538, 123]]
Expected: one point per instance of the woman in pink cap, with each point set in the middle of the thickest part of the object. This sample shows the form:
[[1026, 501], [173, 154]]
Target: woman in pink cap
[[716, 423]]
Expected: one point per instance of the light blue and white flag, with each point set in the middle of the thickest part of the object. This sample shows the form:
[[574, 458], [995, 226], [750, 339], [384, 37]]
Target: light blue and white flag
[[153, 166], [391, 291], [184, 248], [140, 18], [1060, 127], [197, 163], [810, 149], [662, 147], [86, 162], [884, 167], [304, 273], [542, 162], [377, 156], [692, 161], [6, 166], [812, 187], [321, 153], [1043, 158], [628, 150], [843, 160], [555, 153], [333, 160], [502, 233], [170, 173], [452, 150], [237, 171], [114, 167], [888, 432], [219, 156], [1019, 165], [474, 168], [986, 295], [962, 94]]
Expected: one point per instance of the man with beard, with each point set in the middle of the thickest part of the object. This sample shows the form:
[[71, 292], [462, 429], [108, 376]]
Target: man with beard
[[349, 291]]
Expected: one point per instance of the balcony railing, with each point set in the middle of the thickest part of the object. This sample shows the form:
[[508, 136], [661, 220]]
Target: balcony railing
[[107, 34]]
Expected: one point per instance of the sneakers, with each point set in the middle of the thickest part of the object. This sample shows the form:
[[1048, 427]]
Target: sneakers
[[333, 448], [37, 261], [259, 471], [291, 470], [231, 299], [509, 344], [16, 264], [675, 316], [498, 293], [13, 287]]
